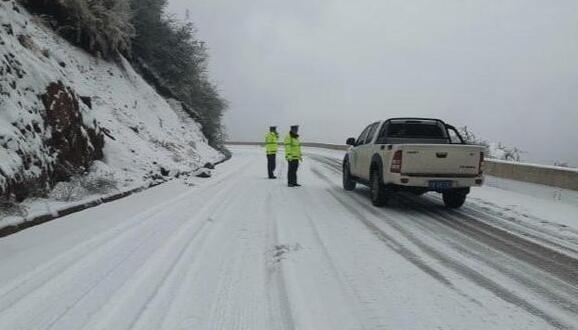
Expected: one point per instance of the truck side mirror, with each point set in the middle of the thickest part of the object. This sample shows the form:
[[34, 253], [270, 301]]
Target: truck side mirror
[[350, 141]]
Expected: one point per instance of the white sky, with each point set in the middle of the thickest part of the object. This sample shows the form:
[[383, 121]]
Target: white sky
[[508, 69]]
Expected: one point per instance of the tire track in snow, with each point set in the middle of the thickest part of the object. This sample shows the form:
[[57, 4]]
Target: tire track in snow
[[77, 280], [318, 291], [33, 280], [551, 238], [386, 238], [545, 265], [279, 305], [478, 278], [231, 275], [176, 293], [554, 263], [474, 213], [532, 278], [137, 231], [42, 275], [158, 308], [346, 284], [138, 294], [239, 295]]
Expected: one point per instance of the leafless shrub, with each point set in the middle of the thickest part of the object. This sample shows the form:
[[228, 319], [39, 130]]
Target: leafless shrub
[[102, 184], [11, 208], [82, 184]]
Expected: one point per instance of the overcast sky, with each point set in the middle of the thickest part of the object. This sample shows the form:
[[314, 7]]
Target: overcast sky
[[508, 69]]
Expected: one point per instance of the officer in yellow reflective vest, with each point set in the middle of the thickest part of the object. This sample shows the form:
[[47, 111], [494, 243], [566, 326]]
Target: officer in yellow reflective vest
[[293, 155], [271, 148]]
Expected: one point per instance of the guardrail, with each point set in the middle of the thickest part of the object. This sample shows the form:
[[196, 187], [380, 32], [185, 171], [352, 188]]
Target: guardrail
[[304, 144], [561, 177]]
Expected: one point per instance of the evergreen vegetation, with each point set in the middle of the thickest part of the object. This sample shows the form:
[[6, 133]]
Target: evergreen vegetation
[[170, 49]]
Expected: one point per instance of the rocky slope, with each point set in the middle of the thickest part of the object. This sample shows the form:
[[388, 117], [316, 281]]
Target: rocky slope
[[64, 113]]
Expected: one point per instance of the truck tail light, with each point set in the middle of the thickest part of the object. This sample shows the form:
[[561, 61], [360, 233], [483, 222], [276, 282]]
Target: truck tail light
[[482, 164], [396, 162]]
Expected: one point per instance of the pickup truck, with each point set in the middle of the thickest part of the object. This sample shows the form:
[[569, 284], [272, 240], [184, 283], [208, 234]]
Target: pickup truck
[[415, 155]]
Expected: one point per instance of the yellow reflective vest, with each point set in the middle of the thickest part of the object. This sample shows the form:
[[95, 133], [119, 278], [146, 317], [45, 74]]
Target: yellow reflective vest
[[271, 143], [292, 148]]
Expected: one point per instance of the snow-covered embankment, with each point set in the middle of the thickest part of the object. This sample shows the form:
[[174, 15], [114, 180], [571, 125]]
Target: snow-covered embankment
[[63, 111]]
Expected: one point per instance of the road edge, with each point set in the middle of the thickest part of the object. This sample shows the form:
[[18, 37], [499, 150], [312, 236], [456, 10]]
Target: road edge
[[47, 217]]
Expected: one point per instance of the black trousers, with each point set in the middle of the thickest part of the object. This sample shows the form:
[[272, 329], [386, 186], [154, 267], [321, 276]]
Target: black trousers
[[271, 164], [292, 171]]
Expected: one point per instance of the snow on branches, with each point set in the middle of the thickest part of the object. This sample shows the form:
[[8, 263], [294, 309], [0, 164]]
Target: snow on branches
[[100, 26]]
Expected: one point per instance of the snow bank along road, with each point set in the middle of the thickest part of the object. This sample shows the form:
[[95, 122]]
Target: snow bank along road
[[239, 251]]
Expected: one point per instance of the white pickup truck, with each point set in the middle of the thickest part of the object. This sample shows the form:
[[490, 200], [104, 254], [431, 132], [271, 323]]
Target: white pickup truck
[[416, 155]]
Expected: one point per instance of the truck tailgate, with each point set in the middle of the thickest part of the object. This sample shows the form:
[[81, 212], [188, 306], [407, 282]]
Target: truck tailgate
[[440, 159]]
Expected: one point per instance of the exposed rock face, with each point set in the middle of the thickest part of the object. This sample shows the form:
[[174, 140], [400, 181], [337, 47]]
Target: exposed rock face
[[65, 145], [76, 144]]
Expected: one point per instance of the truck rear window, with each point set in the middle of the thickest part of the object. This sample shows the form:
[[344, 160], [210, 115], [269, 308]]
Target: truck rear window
[[415, 131]]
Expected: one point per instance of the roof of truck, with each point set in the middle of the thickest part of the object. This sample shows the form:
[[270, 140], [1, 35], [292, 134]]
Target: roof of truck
[[415, 118]]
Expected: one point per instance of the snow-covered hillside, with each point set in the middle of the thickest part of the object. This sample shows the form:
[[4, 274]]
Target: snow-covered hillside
[[144, 136]]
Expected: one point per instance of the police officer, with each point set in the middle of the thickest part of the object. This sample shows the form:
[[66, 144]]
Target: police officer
[[271, 148], [293, 155]]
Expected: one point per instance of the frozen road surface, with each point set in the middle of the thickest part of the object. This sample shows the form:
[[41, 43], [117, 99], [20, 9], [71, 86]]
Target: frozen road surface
[[238, 251]]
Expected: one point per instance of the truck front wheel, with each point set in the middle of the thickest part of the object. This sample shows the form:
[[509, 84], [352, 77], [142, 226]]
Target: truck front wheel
[[379, 194], [454, 199]]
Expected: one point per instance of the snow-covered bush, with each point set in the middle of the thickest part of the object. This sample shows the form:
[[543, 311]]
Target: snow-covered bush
[[81, 186], [502, 152], [68, 191], [100, 26], [470, 137], [99, 180], [496, 150]]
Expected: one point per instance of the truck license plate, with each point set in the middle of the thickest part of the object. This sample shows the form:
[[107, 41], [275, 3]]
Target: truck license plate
[[440, 185]]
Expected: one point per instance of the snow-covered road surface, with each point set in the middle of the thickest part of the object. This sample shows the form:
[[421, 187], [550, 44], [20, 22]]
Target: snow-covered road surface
[[239, 251]]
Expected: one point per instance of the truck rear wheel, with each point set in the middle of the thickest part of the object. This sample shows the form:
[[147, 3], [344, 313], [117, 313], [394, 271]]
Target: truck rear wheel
[[454, 199], [348, 182], [379, 193]]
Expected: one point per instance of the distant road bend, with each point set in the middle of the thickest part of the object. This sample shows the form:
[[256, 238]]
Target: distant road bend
[[239, 251]]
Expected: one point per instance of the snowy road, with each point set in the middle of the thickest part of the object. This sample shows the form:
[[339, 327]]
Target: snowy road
[[239, 251]]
